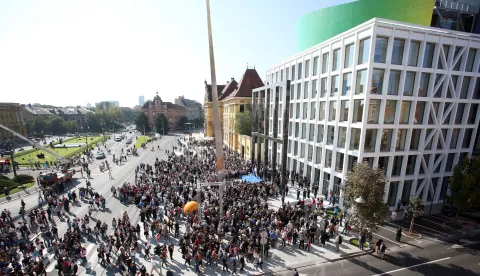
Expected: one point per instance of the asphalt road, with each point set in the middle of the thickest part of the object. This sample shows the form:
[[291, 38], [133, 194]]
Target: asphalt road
[[424, 258], [100, 180]]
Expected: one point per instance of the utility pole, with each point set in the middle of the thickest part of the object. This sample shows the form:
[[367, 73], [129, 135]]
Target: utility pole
[[216, 116], [163, 129], [13, 164]]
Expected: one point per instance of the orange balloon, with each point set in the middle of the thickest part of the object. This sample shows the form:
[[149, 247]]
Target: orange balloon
[[190, 207]]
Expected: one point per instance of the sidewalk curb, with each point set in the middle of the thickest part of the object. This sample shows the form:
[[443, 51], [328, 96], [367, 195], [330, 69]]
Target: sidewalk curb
[[290, 268]]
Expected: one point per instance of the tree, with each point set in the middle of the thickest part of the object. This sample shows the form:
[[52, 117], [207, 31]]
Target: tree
[[70, 126], [369, 184], [56, 125], [415, 209], [182, 122], [243, 121], [161, 124], [142, 123], [465, 184], [116, 114]]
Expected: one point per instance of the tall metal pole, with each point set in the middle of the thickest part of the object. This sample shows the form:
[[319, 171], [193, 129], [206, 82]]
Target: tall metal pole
[[216, 116]]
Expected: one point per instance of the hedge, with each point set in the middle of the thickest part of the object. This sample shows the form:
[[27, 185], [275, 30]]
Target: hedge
[[7, 183], [23, 178], [3, 177], [19, 154]]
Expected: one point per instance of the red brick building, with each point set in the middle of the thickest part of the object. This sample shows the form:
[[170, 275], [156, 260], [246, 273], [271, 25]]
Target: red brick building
[[172, 111]]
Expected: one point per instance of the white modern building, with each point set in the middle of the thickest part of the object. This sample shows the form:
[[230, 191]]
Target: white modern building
[[403, 97]]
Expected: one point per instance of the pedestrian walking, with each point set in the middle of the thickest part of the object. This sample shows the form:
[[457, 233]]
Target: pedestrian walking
[[399, 234]]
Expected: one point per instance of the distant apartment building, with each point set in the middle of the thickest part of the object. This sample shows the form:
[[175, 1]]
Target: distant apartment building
[[11, 117], [172, 111], [30, 112], [194, 109], [105, 105], [141, 100], [77, 114], [402, 96]]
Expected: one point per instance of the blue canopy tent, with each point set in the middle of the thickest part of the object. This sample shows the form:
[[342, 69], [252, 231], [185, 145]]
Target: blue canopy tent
[[251, 178]]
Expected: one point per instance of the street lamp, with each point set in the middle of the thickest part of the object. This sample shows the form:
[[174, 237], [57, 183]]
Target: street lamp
[[360, 200]]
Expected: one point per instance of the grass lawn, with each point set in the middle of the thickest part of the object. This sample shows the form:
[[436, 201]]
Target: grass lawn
[[355, 242], [18, 189], [26, 159], [140, 140]]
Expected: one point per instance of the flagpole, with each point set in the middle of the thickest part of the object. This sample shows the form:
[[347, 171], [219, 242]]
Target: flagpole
[[216, 118]]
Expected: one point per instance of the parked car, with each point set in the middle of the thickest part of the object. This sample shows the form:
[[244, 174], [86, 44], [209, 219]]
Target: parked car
[[129, 141]]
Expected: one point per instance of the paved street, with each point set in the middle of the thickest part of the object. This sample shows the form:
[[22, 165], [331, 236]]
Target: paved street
[[421, 258]]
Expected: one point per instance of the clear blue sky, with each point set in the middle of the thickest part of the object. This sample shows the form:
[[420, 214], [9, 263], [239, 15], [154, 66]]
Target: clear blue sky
[[70, 52]]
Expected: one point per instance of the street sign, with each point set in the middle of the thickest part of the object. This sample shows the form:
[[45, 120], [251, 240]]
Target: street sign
[[263, 236]]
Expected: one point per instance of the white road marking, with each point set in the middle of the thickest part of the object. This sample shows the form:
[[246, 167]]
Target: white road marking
[[404, 268], [387, 239]]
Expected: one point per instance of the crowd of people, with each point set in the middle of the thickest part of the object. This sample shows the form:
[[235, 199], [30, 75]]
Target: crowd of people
[[226, 235]]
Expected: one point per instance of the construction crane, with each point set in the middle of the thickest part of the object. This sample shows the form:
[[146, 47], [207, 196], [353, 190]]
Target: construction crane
[[59, 157]]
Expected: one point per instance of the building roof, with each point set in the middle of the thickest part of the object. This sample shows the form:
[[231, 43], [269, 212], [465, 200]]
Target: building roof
[[36, 110], [71, 110], [249, 81], [172, 105], [187, 102], [229, 88], [208, 91]]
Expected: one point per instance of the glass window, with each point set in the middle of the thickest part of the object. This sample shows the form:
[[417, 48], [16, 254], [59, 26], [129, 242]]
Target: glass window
[[467, 137], [299, 91], [299, 71], [315, 66], [392, 194], [459, 62], [320, 134], [401, 140], [357, 111], [328, 158], [407, 189], [449, 165], [460, 110], [419, 113], [332, 110], [428, 145], [323, 87], [334, 88], [291, 110], [446, 52], [472, 113], [305, 90], [295, 148], [302, 153], [293, 72], [423, 87], [390, 108], [342, 137], [377, 81], [349, 55], [428, 56], [373, 111], [304, 131], [364, 51], [351, 161], [370, 140], [276, 76], [313, 110], [347, 84], [397, 165], [405, 112], [318, 156], [297, 111], [470, 59], [336, 60], [394, 82], [297, 129], [413, 53], [290, 127], [305, 111], [361, 86], [307, 68], [465, 86], [397, 53], [383, 162], [330, 135], [287, 72], [310, 153], [409, 83], [354, 138], [415, 140], [292, 92], [444, 189], [311, 132], [454, 140], [325, 63], [344, 107], [321, 112], [476, 92], [314, 89], [411, 162], [380, 49], [339, 162], [386, 142], [281, 75]]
